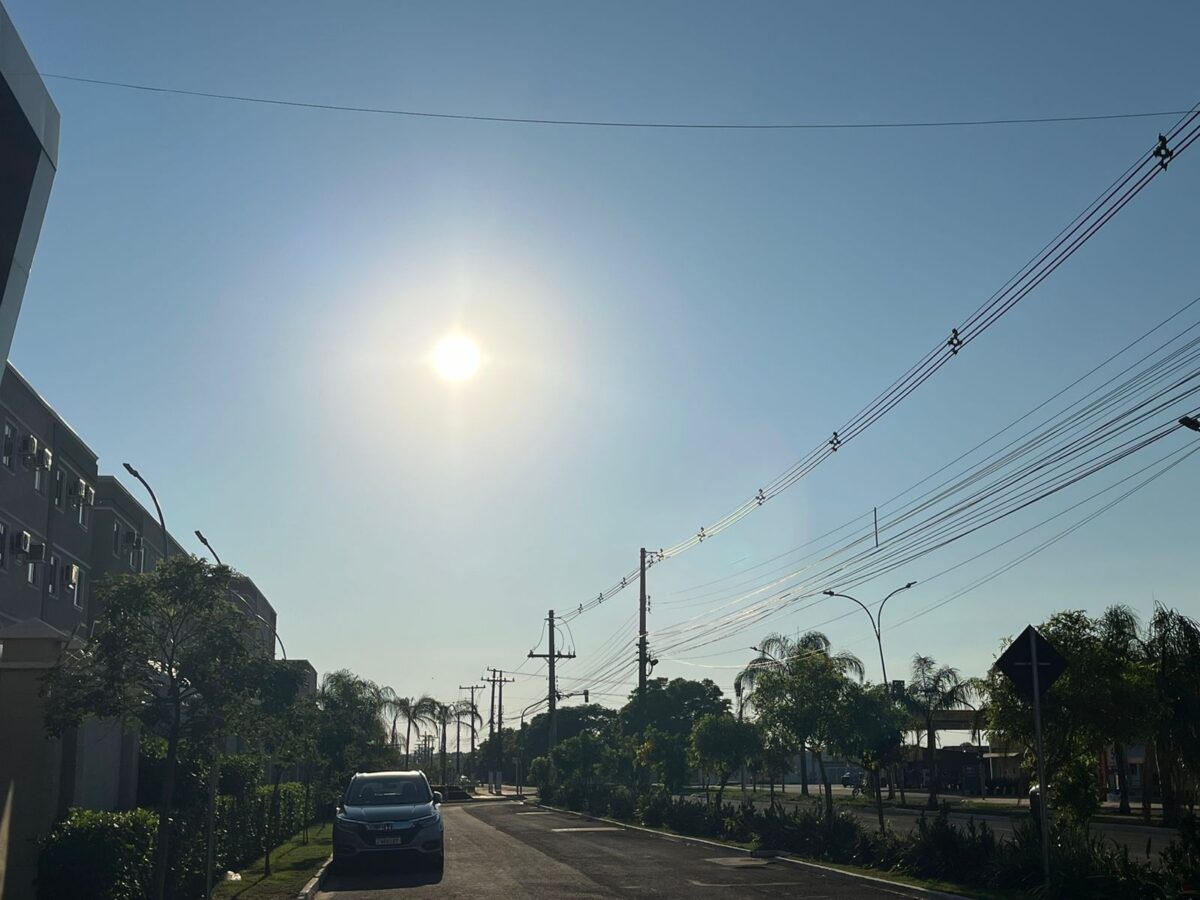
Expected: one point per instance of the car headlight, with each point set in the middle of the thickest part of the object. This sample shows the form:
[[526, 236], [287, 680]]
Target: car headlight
[[428, 820], [344, 821]]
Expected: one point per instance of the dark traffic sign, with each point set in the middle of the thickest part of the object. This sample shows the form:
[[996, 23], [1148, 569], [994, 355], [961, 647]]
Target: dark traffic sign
[[1017, 663]]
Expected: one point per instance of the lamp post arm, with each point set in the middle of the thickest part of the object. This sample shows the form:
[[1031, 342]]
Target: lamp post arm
[[879, 616], [161, 521]]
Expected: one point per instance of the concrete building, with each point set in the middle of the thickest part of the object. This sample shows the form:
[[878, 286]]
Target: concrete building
[[64, 528], [47, 494], [29, 125], [126, 537]]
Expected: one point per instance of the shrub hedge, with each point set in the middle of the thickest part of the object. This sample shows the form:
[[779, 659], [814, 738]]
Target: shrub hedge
[[95, 855], [110, 856]]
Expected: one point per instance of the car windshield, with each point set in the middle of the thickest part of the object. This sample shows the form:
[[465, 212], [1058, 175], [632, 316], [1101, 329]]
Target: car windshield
[[389, 791]]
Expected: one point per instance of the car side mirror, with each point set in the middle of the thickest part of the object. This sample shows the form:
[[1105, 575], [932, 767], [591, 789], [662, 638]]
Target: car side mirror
[[437, 797]]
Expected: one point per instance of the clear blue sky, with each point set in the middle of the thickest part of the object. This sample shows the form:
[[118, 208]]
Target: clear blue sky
[[240, 299]]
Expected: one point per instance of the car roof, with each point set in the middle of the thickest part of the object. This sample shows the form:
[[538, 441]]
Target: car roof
[[410, 773]]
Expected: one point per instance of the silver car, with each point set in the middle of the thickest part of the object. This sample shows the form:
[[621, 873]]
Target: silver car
[[389, 814]]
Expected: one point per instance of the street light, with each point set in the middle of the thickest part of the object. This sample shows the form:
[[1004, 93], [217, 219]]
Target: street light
[[205, 542], [249, 606], [875, 620], [161, 521]]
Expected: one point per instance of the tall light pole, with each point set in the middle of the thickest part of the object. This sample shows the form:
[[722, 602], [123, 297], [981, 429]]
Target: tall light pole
[[161, 521], [875, 618]]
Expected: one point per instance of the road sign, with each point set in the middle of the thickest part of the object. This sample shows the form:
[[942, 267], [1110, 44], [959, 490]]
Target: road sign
[[1032, 664], [1017, 663]]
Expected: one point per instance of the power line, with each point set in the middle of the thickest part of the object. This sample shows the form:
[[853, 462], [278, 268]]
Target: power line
[[1078, 439], [1060, 248], [612, 123]]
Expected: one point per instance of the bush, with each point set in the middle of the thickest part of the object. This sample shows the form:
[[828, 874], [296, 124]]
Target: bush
[[653, 806], [111, 855], [622, 804], [95, 855]]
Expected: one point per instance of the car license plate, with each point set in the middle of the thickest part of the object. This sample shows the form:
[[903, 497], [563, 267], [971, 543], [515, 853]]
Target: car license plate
[[388, 841]]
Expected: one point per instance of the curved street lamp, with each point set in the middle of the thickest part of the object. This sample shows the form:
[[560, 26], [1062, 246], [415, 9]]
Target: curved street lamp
[[161, 521], [875, 620]]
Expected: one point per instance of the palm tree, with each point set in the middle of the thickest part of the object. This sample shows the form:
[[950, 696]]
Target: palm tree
[[417, 712], [464, 711], [777, 649], [935, 689], [1122, 699], [1170, 658]]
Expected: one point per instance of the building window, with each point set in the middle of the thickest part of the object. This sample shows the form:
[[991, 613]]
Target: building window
[[79, 591], [60, 485], [9, 447], [82, 517], [39, 479], [3, 545], [52, 575], [116, 538], [31, 574]]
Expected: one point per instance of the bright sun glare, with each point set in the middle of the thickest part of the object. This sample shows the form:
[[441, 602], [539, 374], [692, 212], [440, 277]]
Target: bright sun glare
[[456, 358]]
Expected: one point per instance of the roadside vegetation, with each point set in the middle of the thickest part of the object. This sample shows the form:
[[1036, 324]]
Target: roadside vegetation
[[224, 729], [1125, 683]]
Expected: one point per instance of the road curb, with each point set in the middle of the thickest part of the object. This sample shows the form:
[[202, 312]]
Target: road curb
[[794, 860], [314, 884]]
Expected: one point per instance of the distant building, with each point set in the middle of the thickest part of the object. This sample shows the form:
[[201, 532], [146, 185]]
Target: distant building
[[29, 125], [47, 494]]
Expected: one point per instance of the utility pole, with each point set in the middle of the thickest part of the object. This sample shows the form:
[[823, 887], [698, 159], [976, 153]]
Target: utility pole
[[472, 688], [496, 723], [642, 654], [551, 658]]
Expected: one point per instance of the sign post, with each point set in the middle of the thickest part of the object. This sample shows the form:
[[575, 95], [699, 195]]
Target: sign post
[[1033, 665], [1043, 793]]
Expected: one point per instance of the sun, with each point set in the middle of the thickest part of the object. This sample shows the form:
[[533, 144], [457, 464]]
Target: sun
[[456, 358]]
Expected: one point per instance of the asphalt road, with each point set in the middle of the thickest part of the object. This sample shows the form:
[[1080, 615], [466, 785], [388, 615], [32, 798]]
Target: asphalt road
[[504, 849]]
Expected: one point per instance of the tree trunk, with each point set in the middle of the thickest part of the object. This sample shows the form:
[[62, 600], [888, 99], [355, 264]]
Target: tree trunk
[[272, 821], [892, 782], [407, 743], [1123, 779], [803, 770], [931, 761], [1166, 756], [1147, 780], [826, 785], [879, 797], [166, 798], [210, 839]]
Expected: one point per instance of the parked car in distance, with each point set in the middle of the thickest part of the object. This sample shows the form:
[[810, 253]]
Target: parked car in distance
[[389, 815]]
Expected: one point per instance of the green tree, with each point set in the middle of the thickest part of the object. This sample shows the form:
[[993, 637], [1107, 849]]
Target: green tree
[[285, 723], [170, 651], [671, 706], [664, 754], [1171, 659], [350, 734], [571, 720], [868, 727], [721, 744], [796, 712], [578, 762], [933, 690]]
